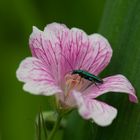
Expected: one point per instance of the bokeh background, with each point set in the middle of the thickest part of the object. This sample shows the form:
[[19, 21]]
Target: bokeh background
[[117, 20]]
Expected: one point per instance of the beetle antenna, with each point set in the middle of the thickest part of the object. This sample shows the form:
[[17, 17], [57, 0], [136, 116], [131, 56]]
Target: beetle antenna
[[67, 61]]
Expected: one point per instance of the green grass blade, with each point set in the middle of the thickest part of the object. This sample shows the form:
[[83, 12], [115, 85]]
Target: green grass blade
[[39, 126], [44, 125]]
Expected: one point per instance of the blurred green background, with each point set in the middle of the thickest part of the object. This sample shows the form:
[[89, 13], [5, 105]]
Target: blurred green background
[[17, 108]]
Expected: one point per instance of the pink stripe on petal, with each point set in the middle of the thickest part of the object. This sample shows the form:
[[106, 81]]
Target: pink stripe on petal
[[99, 112], [117, 83]]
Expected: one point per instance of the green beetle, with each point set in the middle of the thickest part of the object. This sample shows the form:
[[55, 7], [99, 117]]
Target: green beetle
[[88, 76]]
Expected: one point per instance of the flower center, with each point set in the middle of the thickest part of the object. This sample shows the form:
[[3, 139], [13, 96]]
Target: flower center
[[73, 81]]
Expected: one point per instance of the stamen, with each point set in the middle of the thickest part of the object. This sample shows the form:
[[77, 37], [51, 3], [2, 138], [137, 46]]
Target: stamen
[[73, 81]]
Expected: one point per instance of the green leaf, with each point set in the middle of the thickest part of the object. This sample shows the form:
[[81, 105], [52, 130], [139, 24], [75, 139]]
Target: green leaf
[[50, 117], [121, 26]]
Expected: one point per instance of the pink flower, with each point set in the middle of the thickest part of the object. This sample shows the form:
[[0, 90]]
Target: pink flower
[[56, 52]]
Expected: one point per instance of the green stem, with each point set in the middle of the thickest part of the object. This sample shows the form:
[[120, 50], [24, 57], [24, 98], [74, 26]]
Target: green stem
[[56, 125]]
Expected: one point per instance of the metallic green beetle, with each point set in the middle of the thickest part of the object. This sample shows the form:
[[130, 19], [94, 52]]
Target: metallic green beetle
[[88, 76]]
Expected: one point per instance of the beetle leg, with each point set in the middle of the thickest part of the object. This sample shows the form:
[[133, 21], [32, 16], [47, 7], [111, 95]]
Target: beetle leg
[[89, 85], [96, 84]]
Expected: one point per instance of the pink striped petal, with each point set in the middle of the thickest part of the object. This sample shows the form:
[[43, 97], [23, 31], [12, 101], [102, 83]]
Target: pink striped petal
[[117, 83], [77, 49], [99, 112], [36, 77], [101, 54], [60, 40], [90, 53], [56, 28], [47, 46], [45, 50]]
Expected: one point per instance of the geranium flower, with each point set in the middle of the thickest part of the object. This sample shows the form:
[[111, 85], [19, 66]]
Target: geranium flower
[[56, 52]]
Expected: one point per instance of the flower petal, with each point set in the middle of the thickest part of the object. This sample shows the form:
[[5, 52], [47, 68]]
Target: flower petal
[[41, 88], [77, 50], [90, 53], [36, 77], [99, 112], [101, 54], [117, 83], [56, 28], [43, 49], [60, 38], [47, 47]]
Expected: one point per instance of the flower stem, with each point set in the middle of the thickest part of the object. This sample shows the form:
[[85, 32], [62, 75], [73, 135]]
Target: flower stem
[[56, 126]]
